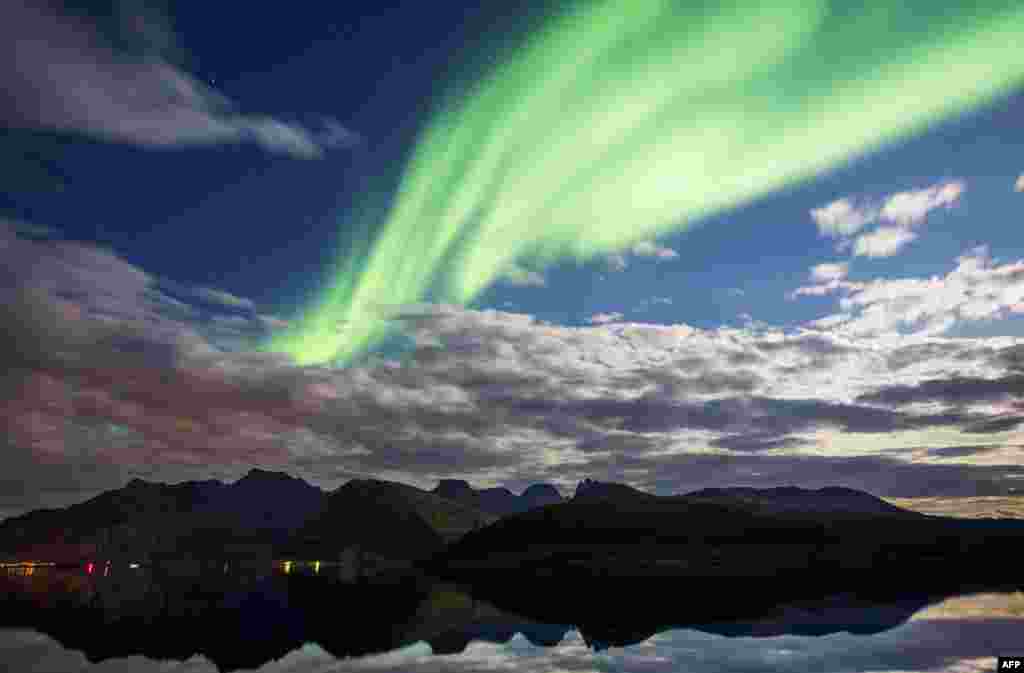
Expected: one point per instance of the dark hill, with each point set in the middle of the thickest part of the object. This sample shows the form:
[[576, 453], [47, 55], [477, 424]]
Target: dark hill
[[376, 516], [791, 499]]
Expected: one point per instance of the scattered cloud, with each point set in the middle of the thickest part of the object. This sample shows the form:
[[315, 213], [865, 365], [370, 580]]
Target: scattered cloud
[[215, 296], [978, 289], [652, 249], [273, 322], [654, 301], [883, 242], [841, 218], [825, 273], [114, 77], [604, 318], [910, 208], [898, 214], [616, 263]]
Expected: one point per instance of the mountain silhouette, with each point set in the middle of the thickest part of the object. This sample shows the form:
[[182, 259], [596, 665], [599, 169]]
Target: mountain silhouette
[[263, 514], [795, 500], [391, 519], [498, 501]]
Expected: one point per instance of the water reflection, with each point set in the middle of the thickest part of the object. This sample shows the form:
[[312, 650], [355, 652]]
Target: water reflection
[[302, 619]]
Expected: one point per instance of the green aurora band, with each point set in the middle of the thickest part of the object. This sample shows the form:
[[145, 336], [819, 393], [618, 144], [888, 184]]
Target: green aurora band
[[622, 120]]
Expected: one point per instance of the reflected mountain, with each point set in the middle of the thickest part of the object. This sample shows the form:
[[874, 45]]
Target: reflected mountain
[[239, 620]]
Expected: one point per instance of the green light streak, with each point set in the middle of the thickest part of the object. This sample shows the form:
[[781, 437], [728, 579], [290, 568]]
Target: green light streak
[[626, 119]]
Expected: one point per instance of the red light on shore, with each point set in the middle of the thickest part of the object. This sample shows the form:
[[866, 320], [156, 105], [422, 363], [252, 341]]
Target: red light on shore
[[89, 567]]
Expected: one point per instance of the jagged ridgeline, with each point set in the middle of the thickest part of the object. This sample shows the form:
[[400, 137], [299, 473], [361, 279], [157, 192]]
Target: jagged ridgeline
[[262, 515]]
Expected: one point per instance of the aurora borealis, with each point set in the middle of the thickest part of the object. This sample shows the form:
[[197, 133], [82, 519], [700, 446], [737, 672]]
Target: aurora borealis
[[625, 119]]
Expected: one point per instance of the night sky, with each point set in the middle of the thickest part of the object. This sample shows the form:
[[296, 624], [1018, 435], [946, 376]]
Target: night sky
[[605, 238]]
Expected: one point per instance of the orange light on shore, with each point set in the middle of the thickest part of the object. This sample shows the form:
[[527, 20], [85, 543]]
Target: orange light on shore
[[26, 564]]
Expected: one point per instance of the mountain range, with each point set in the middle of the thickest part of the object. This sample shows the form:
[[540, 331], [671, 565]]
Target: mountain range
[[264, 513], [497, 538]]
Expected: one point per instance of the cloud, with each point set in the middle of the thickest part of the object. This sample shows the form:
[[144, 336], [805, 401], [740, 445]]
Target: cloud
[[977, 289], [215, 296], [963, 451], [652, 249], [618, 262], [756, 442], [883, 242], [519, 276], [646, 304], [842, 218], [910, 208], [604, 318], [111, 75], [825, 273], [957, 635], [272, 322], [899, 214], [958, 391]]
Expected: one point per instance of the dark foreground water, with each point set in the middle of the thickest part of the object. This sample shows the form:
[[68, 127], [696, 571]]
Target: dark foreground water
[[307, 621]]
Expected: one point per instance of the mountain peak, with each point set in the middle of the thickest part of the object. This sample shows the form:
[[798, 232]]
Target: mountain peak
[[541, 490], [453, 489], [591, 489], [259, 474]]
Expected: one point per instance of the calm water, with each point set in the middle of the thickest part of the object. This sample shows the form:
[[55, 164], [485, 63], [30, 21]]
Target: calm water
[[181, 619]]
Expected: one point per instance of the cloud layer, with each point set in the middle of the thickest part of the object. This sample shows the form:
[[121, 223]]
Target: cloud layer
[[116, 79], [108, 374]]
